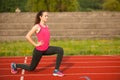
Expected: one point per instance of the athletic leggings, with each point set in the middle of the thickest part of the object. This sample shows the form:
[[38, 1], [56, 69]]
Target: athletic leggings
[[37, 55]]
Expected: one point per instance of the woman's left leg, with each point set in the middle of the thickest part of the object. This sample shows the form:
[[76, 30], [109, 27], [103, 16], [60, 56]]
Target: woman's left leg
[[55, 50], [59, 51]]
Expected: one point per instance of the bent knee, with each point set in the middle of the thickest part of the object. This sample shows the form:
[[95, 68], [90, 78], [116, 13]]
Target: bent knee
[[60, 49]]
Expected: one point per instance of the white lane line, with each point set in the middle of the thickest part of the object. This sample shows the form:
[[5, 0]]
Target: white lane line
[[23, 71], [75, 74], [46, 62], [70, 67], [81, 58], [83, 62], [72, 74], [67, 59], [73, 62], [67, 62]]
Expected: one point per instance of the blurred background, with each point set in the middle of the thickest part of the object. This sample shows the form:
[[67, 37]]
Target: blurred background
[[59, 5]]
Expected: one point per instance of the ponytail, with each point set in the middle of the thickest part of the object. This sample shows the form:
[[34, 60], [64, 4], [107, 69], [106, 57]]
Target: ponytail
[[37, 19]]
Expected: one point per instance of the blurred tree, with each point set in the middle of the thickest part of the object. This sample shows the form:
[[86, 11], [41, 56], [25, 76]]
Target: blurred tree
[[7, 5], [88, 5], [65, 5], [53, 5], [111, 5], [59, 5], [11, 5]]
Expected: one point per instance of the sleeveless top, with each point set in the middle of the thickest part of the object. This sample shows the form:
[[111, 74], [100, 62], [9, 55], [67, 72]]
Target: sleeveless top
[[44, 36]]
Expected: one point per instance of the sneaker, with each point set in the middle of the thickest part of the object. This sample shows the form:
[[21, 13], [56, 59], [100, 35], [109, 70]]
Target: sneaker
[[13, 68], [58, 73]]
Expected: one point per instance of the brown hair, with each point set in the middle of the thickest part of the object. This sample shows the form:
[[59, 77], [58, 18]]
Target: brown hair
[[37, 19]]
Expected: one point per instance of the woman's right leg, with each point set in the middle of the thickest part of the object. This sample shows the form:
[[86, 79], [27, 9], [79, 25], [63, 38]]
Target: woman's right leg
[[37, 55]]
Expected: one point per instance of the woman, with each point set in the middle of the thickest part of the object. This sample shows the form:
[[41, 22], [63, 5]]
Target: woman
[[41, 47]]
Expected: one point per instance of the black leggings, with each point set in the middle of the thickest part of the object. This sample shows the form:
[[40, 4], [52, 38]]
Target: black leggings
[[37, 55]]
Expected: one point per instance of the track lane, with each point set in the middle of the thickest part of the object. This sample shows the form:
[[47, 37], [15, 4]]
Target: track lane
[[74, 67]]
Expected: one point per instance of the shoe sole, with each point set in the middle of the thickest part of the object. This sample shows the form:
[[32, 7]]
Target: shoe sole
[[57, 75]]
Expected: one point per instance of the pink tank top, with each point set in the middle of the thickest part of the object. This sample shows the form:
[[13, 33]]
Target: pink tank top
[[44, 36]]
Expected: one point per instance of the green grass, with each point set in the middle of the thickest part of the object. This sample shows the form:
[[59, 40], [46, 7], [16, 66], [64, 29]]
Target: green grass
[[71, 47]]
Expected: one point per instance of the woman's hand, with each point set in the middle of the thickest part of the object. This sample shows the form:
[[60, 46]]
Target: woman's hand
[[40, 43]]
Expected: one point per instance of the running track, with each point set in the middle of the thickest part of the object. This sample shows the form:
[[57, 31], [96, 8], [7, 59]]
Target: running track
[[74, 68]]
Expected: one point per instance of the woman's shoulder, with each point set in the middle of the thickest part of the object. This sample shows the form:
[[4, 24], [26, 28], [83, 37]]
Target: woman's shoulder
[[36, 26]]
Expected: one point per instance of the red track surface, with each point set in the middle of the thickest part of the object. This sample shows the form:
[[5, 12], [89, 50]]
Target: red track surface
[[74, 68]]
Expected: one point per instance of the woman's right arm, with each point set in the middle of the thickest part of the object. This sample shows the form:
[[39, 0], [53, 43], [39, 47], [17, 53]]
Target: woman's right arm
[[29, 36]]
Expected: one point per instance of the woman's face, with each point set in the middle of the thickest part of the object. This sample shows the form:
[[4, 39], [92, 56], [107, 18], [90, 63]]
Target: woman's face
[[44, 17]]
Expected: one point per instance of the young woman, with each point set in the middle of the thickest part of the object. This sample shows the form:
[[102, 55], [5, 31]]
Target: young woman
[[41, 46]]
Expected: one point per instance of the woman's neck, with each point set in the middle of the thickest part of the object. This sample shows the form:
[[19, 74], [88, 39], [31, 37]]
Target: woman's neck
[[43, 23]]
